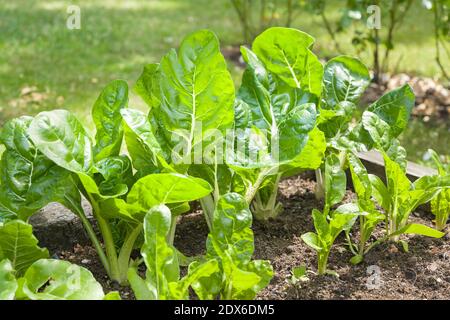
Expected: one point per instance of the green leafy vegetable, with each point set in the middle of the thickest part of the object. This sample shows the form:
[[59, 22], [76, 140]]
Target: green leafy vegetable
[[107, 119], [231, 243], [19, 246], [162, 279], [8, 282], [440, 204]]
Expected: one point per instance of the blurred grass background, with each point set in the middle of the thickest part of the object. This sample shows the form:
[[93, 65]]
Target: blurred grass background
[[44, 65]]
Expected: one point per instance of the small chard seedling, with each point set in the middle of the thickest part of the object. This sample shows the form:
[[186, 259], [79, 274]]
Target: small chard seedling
[[162, 280], [231, 243], [330, 223], [399, 198], [440, 204]]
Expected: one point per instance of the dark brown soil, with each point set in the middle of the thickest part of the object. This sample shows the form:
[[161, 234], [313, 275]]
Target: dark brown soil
[[423, 273]]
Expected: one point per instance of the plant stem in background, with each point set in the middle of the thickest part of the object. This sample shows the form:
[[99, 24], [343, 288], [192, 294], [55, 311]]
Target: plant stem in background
[[330, 31], [394, 22], [437, 39], [242, 11], [376, 58], [290, 12]]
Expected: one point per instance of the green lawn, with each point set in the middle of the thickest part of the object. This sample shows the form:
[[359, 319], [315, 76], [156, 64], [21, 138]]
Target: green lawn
[[68, 68]]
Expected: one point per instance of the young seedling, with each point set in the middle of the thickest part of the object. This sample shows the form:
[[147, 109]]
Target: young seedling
[[330, 223], [231, 243], [440, 204], [399, 198], [162, 281]]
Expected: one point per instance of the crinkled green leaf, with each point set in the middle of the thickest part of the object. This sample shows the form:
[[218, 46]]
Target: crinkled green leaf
[[8, 282], [107, 119], [116, 175], [395, 108], [143, 146], [50, 279], [378, 129], [159, 257], [62, 138], [180, 290], [147, 85], [335, 181], [19, 246], [196, 93], [29, 180], [345, 79], [287, 53], [231, 243]]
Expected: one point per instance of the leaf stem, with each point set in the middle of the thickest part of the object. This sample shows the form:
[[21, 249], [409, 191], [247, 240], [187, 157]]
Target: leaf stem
[[125, 251], [93, 237]]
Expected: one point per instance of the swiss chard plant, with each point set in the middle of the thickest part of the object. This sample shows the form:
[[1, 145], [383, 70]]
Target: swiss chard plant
[[52, 158], [192, 127], [345, 80], [27, 273], [398, 198], [330, 223], [231, 243], [276, 112], [162, 280], [191, 95], [440, 204]]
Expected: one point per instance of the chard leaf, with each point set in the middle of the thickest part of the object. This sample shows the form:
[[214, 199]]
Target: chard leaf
[[286, 53], [62, 138], [380, 192], [91, 187], [143, 146], [345, 79], [415, 228], [117, 175], [335, 181], [322, 228], [394, 108], [19, 246], [342, 220], [160, 258], [28, 179], [49, 279], [231, 243], [107, 119], [361, 182], [311, 239], [180, 290], [378, 129], [8, 282], [147, 85], [167, 188], [196, 93]]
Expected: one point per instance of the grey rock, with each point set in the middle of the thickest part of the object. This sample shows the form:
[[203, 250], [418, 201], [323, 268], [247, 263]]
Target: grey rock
[[57, 228]]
